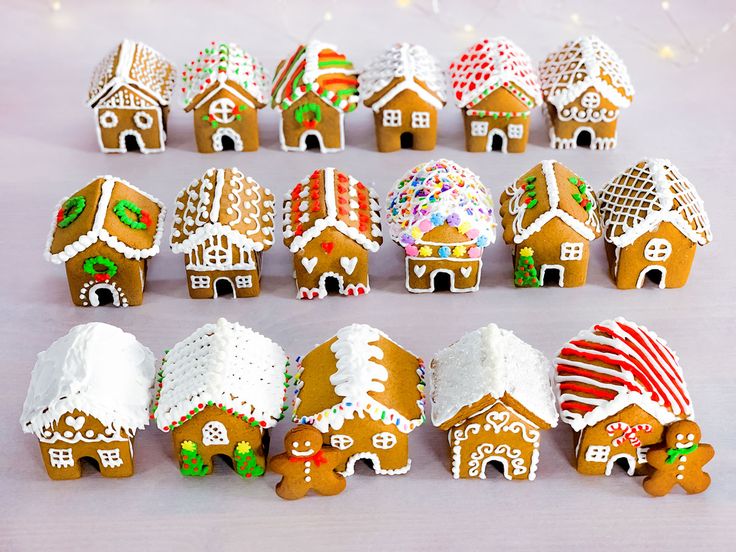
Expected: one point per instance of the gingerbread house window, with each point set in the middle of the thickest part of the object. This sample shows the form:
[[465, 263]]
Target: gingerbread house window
[[596, 453], [108, 120], [571, 251], [420, 119], [214, 433], [590, 100], [223, 110], [61, 458], [341, 442], [384, 440], [143, 120], [478, 128], [200, 282], [657, 249], [641, 455], [244, 281], [515, 131], [391, 117], [216, 255], [110, 458]]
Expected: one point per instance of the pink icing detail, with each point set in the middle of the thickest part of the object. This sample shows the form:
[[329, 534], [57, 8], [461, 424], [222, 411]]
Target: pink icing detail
[[474, 252], [411, 250], [472, 233], [425, 225]]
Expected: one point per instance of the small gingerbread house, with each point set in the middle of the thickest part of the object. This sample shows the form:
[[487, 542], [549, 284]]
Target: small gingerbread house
[[130, 93], [442, 215], [89, 394], [549, 217], [222, 224], [365, 394], [220, 390], [585, 85], [496, 87], [331, 223], [105, 234], [405, 88], [619, 385], [653, 220], [491, 391], [312, 91], [224, 87]]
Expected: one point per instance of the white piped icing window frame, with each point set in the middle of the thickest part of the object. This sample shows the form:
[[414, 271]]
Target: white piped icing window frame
[[571, 251], [515, 132], [597, 453], [341, 441], [478, 128], [108, 119], [384, 440], [641, 455], [244, 281], [200, 282], [420, 119], [110, 458], [392, 117], [590, 100], [143, 120], [61, 458], [214, 433], [222, 110], [657, 249]]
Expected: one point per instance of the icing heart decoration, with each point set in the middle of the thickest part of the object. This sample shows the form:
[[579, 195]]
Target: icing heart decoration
[[348, 264], [466, 270], [327, 247], [419, 270], [76, 423], [309, 264]]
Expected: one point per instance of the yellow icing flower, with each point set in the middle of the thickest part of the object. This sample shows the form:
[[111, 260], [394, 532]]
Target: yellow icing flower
[[243, 447], [464, 227], [416, 233], [526, 252], [425, 251], [459, 251], [189, 446]]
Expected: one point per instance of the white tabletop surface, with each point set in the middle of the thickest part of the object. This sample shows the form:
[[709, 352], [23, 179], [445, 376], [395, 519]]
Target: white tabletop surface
[[682, 111]]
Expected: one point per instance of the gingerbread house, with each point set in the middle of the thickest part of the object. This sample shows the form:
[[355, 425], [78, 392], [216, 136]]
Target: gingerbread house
[[89, 394], [130, 93], [549, 217], [332, 222], [405, 88], [619, 385], [224, 87], [105, 234], [496, 87], [220, 390], [653, 221], [585, 85], [365, 394], [312, 91], [491, 392], [222, 224], [442, 215]]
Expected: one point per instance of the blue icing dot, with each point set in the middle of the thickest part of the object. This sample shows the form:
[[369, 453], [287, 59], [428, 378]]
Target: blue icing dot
[[437, 219], [482, 241], [444, 251]]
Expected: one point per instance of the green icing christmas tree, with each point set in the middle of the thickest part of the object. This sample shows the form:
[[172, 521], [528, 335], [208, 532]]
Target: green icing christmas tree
[[191, 461], [525, 274], [246, 463]]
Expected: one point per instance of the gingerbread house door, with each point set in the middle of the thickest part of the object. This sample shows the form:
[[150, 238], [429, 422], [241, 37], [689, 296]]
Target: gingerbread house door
[[497, 140], [103, 294]]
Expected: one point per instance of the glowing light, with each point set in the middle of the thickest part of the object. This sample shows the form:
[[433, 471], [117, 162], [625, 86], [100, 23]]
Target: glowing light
[[403, 3], [666, 52], [575, 18], [468, 28], [665, 5], [56, 5], [328, 16]]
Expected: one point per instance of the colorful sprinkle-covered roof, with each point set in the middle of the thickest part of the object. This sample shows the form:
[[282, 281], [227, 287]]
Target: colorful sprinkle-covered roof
[[436, 193], [649, 193], [615, 364], [491, 64], [321, 69], [583, 63], [222, 65]]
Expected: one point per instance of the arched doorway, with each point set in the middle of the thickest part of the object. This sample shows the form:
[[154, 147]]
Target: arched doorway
[[626, 461], [496, 140], [310, 140], [584, 137], [131, 140], [655, 274], [407, 140], [226, 139], [442, 280], [223, 287]]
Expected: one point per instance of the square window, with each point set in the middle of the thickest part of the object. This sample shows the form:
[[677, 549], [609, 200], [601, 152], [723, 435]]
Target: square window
[[61, 458], [515, 131], [597, 453], [641, 455], [110, 458], [244, 281], [391, 117], [571, 251], [200, 282], [420, 119], [478, 128]]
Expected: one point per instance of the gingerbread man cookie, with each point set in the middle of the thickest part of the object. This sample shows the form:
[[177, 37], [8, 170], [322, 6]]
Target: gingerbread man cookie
[[679, 462], [306, 465]]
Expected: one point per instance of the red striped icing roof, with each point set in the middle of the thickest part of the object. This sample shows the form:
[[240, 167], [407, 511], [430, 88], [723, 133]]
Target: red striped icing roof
[[615, 364]]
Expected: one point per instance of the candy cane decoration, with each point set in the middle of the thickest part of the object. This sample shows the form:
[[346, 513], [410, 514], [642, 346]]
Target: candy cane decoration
[[628, 433]]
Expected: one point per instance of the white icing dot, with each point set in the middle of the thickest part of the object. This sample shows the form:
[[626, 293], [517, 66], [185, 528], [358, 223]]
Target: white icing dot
[[680, 467], [680, 476], [89, 433], [307, 464], [307, 470], [68, 434], [307, 479]]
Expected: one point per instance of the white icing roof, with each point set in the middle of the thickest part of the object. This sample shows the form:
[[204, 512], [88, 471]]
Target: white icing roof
[[649, 193], [225, 363], [96, 368], [491, 361], [411, 63]]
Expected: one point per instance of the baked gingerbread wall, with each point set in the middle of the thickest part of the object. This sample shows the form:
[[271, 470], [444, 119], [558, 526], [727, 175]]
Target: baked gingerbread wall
[[388, 138], [567, 129], [329, 127], [503, 101], [246, 127]]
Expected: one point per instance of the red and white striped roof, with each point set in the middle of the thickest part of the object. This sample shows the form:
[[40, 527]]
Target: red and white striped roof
[[615, 364]]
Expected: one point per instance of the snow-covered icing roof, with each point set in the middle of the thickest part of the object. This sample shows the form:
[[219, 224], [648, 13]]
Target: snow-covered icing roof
[[227, 365], [438, 192], [580, 64], [490, 361], [223, 202], [417, 70], [362, 382], [330, 198], [223, 65], [134, 64], [319, 68], [548, 191], [615, 364], [96, 368], [491, 64], [649, 193], [98, 220]]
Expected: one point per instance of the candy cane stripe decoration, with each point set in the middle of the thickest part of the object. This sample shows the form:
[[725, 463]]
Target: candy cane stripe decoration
[[628, 433]]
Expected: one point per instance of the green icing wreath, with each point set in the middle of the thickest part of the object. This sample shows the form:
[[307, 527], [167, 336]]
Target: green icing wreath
[[70, 211], [124, 206], [101, 276]]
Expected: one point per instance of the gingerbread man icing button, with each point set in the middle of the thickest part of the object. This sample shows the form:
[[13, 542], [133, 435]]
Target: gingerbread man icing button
[[306, 465], [680, 461]]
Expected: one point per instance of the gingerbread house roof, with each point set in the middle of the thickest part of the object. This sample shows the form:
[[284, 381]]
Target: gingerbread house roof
[[330, 198], [366, 374], [97, 369], [438, 192], [402, 67], [226, 365], [615, 364], [490, 363], [491, 64], [105, 210], [321, 69], [649, 193], [548, 191], [583, 63], [224, 66], [224, 202], [136, 65]]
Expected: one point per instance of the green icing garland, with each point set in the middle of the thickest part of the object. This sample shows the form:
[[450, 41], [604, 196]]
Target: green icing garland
[[121, 210], [305, 108], [110, 268], [70, 211]]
